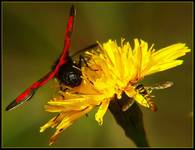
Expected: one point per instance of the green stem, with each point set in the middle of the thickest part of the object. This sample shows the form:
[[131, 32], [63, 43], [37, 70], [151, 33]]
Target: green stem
[[131, 121]]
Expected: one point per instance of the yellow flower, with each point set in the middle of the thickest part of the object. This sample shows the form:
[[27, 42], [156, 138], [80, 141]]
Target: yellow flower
[[111, 71]]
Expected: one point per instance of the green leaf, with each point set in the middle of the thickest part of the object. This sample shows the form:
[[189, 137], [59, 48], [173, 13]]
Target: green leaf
[[130, 120]]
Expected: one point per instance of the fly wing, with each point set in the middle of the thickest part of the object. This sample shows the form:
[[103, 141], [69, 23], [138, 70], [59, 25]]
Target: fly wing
[[160, 86], [29, 92]]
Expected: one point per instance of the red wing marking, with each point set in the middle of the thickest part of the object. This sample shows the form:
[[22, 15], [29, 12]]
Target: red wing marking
[[29, 92]]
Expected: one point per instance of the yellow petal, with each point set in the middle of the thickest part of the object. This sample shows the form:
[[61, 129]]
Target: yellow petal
[[137, 58], [68, 120], [54, 108], [52, 122], [165, 58], [101, 111], [171, 52], [164, 66]]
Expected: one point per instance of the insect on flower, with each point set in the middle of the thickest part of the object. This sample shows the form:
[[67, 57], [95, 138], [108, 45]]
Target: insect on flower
[[110, 71], [146, 91], [114, 70], [65, 69]]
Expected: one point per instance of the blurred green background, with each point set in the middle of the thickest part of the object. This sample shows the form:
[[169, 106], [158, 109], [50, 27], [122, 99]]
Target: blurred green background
[[33, 35]]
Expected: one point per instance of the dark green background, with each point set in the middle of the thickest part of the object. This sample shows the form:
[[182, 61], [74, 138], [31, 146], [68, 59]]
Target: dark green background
[[33, 35]]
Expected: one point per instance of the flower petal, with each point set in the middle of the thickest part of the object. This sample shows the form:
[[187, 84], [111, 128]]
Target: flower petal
[[165, 58], [67, 121], [101, 111], [52, 122]]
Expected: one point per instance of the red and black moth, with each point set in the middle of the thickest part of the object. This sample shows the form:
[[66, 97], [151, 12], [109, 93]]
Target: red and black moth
[[63, 70]]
